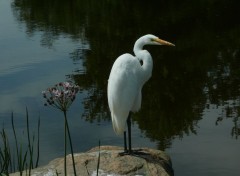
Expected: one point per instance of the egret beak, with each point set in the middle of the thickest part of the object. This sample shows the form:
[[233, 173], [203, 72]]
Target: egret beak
[[163, 42]]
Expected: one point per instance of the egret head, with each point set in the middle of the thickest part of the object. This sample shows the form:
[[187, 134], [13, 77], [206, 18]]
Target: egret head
[[150, 39]]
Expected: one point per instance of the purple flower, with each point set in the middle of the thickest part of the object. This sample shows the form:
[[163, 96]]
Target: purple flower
[[61, 95]]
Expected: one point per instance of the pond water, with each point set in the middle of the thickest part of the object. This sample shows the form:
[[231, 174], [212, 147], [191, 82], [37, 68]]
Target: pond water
[[190, 106]]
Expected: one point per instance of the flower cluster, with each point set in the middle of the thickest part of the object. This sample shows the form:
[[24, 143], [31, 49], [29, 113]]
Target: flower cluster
[[61, 95]]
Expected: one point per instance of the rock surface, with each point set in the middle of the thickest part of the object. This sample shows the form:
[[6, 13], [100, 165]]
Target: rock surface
[[147, 162]]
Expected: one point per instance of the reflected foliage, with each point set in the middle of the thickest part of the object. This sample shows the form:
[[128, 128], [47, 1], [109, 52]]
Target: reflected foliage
[[202, 69], [223, 87]]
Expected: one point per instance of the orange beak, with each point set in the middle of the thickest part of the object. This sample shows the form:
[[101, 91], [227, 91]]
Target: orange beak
[[163, 42]]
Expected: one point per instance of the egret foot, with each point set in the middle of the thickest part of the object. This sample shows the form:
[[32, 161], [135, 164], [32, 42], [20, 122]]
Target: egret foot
[[137, 153]]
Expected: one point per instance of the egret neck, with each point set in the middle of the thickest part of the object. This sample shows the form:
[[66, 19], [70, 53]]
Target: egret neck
[[145, 57]]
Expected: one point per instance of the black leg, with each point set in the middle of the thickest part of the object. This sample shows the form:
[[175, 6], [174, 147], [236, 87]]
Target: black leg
[[129, 133], [129, 151], [125, 142]]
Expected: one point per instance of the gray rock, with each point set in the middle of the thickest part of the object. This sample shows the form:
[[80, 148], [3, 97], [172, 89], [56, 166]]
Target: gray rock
[[147, 162]]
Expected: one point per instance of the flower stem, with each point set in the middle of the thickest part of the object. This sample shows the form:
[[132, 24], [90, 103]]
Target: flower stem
[[70, 141], [65, 146]]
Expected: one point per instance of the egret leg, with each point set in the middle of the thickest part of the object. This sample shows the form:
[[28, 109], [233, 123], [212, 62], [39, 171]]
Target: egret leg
[[125, 142], [129, 151], [129, 133]]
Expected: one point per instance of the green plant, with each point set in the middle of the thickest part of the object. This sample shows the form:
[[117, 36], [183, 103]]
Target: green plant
[[24, 155]]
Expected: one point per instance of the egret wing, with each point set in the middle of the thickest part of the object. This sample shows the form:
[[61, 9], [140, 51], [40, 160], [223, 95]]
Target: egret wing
[[123, 90]]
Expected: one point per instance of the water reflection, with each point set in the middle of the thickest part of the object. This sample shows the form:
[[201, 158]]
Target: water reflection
[[203, 69], [222, 87]]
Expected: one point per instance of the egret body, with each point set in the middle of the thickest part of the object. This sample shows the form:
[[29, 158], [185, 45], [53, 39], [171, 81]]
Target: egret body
[[127, 77]]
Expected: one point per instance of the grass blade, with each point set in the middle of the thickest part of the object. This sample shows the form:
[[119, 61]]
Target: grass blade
[[98, 164], [38, 142], [15, 138]]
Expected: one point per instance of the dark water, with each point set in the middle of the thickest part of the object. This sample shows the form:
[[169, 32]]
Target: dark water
[[190, 106]]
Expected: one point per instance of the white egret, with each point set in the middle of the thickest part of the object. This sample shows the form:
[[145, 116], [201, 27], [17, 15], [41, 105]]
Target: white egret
[[127, 77]]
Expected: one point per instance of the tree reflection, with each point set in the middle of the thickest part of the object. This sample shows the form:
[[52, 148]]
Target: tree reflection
[[202, 69], [223, 87]]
